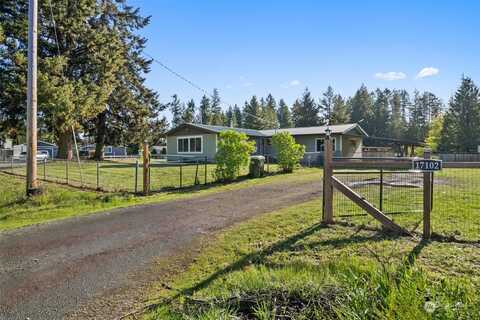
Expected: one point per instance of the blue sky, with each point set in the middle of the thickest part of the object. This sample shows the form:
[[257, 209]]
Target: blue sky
[[258, 47]]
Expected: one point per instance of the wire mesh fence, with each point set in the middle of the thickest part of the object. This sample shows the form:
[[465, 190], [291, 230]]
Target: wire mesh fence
[[126, 174], [456, 203], [399, 194]]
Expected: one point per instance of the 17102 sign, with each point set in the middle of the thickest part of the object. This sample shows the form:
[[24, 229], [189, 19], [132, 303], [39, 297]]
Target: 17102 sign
[[427, 165]]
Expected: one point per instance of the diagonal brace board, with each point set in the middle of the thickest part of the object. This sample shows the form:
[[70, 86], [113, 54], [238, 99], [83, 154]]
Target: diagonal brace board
[[365, 205]]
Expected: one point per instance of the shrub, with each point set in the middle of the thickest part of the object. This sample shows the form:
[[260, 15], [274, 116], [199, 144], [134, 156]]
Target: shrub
[[289, 152], [233, 152]]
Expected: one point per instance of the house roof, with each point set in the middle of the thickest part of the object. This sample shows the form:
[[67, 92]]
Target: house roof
[[216, 129], [335, 129]]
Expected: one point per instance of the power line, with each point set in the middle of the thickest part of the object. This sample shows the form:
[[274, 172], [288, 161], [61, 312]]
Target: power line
[[199, 88]]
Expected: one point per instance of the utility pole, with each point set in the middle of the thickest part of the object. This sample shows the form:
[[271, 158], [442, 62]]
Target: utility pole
[[32, 183]]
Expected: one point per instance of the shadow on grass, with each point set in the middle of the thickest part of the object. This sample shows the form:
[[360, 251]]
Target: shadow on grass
[[255, 257], [287, 244]]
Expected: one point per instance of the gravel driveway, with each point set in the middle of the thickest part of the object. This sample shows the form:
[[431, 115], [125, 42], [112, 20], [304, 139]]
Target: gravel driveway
[[49, 270]]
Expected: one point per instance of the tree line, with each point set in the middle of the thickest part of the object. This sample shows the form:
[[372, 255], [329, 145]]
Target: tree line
[[383, 113], [91, 74], [386, 113]]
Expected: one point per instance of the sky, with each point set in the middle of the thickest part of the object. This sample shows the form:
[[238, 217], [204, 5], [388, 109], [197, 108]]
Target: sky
[[248, 47]]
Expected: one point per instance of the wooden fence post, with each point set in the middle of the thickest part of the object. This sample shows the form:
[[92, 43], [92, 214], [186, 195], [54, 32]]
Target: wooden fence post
[[98, 175], [427, 198], [206, 165], [146, 169], [136, 175], [327, 181], [45, 169], [66, 171], [381, 190]]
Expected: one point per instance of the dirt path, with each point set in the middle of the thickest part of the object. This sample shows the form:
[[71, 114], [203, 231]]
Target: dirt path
[[49, 270]]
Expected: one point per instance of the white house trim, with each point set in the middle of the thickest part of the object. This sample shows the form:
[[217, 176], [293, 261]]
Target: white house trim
[[190, 137]]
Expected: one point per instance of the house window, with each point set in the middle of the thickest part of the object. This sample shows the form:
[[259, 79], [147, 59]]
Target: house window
[[189, 145], [320, 144], [109, 150]]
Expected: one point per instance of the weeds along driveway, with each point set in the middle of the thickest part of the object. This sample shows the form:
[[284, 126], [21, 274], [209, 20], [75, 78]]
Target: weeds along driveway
[[49, 270]]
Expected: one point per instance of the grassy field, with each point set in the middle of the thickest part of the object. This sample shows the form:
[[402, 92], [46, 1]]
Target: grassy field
[[285, 265], [60, 201], [124, 176]]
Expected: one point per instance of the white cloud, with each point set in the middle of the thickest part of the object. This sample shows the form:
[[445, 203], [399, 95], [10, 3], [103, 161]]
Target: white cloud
[[229, 86], [247, 84], [390, 76], [427, 72], [294, 83]]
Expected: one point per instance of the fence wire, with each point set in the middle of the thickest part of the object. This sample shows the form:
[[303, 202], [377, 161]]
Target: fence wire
[[399, 194], [126, 175], [456, 204]]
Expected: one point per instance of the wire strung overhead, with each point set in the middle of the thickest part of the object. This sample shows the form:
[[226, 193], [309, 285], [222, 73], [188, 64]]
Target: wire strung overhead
[[199, 88]]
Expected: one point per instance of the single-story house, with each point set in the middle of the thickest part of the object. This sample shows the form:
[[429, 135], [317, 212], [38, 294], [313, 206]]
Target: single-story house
[[108, 151], [199, 140], [42, 147]]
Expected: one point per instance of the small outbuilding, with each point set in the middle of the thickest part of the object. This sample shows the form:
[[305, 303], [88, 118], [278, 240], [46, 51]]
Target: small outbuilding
[[42, 147]]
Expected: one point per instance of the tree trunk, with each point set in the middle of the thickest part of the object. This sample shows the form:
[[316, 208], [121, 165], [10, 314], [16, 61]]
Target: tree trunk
[[100, 135], [65, 150]]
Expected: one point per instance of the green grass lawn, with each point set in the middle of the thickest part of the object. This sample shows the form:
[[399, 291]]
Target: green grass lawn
[[60, 201], [286, 265], [124, 176]]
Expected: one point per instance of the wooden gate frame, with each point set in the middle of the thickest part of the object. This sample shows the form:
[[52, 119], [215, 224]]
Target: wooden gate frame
[[330, 182]]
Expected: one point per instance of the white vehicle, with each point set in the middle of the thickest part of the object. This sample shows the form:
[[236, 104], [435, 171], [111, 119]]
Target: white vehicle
[[42, 155]]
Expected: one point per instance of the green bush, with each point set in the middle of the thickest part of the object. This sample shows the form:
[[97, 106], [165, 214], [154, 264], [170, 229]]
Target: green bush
[[289, 153], [233, 152]]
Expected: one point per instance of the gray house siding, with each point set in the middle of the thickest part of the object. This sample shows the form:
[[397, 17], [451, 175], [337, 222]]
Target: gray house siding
[[209, 145], [310, 142]]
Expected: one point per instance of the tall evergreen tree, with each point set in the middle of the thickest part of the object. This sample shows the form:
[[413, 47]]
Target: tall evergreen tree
[[270, 113], [189, 112], [433, 106], [326, 104], [230, 120], [205, 113], [177, 109], [461, 126], [217, 116], [284, 115], [238, 117], [361, 105], [91, 58], [398, 122], [252, 114], [340, 111], [380, 121], [305, 111]]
